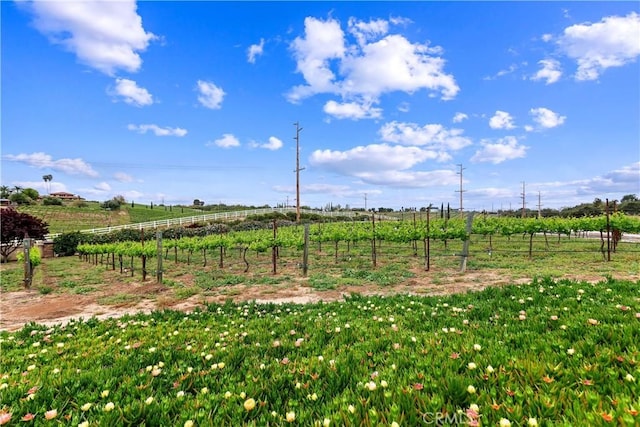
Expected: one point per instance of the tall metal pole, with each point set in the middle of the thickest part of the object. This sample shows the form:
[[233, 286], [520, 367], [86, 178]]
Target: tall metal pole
[[298, 169], [524, 204], [461, 190]]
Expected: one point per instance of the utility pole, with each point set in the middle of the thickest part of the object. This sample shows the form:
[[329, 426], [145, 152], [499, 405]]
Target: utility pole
[[365, 202], [524, 204], [298, 169], [461, 190], [539, 206]]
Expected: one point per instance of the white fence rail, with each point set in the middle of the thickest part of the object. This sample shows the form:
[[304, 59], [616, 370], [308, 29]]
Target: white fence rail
[[214, 217]]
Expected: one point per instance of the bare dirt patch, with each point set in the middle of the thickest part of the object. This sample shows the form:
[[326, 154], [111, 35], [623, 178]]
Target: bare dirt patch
[[19, 308]]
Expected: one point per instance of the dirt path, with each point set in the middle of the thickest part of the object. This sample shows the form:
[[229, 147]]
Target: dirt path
[[22, 307]]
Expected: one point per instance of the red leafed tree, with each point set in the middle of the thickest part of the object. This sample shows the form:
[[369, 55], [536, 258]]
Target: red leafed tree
[[15, 227]]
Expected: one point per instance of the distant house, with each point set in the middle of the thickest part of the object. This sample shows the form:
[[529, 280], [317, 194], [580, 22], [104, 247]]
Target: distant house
[[5, 203], [62, 195]]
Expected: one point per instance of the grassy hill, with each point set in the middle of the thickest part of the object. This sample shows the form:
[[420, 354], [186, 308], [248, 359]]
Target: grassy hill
[[70, 217]]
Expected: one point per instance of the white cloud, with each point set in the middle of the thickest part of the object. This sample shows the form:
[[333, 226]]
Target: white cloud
[[375, 64], [506, 148], [105, 35], [550, 71], [102, 186], [367, 31], [122, 177], [404, 107], [546, 118], [273, 144], [226, 141], [374, 157], [210, 95], [432, 135], [612, 42], [547, 37], [352, 110], [157, 130], [42, 160], [529, 128], [323, 41], [459, 117], [411, 179], [501, 120], [254, 51], [511, 69], [132, 93]]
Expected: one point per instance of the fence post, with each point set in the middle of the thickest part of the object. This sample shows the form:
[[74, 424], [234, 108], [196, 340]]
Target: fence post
[[159, 256], [305, 253], [427, 248], [28, 271], [274, 248], [608, 231], [465, 246]]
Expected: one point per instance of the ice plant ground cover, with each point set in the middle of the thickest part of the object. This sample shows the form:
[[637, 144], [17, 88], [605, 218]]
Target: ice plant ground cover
[[547, 353]]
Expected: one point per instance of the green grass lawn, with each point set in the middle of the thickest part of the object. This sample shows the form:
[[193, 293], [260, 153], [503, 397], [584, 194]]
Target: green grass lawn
[[67, 218]]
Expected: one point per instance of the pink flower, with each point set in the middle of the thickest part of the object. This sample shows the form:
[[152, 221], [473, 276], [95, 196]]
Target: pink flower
[[472, 414], [49, 415], [28, 417], [637, 315], [5, 417], [284, 361], [455, 355]]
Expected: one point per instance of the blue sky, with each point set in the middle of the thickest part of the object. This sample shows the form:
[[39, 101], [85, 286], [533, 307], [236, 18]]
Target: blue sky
[[168, 102]]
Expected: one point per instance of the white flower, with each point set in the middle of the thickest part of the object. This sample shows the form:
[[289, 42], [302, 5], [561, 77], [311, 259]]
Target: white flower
[[105, 393], [371, 386], [352, 409], [472, 366], [570, 351], [474, 407], [532, 422], [630, 378], [384, 384], [471, 389], [84, 424], [505, 422], [477, 347], [149, 400], [188, 423], [326, 422], [109, 407], [204, 390], [180, 394], [291, 417], [490, 369], [227, 395], [86, 407]]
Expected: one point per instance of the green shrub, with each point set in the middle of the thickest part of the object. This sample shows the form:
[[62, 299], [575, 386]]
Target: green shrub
[[67, 243], [51, 201]]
